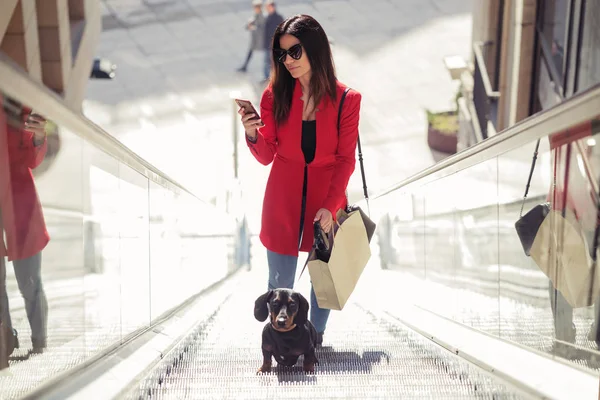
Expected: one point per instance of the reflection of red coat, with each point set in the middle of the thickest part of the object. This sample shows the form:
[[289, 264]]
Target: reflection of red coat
[[328, 173], [20, 208]]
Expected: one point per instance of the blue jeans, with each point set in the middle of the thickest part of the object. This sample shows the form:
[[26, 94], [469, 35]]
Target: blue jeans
[[29, 280], [282, 273]]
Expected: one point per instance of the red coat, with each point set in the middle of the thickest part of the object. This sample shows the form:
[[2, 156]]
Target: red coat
[[328, 173], [20, 210]]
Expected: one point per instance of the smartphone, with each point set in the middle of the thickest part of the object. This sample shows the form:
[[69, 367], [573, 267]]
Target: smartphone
[[248, 108]]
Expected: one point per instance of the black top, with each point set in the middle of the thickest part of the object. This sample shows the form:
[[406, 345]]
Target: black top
[[309, 139]]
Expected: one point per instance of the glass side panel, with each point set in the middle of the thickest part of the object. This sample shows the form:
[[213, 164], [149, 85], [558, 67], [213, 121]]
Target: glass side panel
[[439, 238], [92, 251], [523, 286], [134, 246], [43, 298], [472, 260], [476, 245], [102, 249]]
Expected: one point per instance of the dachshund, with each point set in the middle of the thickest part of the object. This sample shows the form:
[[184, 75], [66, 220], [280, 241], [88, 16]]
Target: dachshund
[[289, 333]]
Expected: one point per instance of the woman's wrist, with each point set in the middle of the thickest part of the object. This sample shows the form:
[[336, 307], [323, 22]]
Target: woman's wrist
[[38, 140], [251, 136]]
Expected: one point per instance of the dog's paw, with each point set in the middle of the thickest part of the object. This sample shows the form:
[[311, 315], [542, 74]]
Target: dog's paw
[[308, 367], [264, 369]]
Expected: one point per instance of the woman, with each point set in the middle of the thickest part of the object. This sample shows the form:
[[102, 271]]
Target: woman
[[312, 162], [23, 146]]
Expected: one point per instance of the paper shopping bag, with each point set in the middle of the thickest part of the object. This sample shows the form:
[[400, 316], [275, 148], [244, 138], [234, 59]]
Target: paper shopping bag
[[335, 280], [561, 252]]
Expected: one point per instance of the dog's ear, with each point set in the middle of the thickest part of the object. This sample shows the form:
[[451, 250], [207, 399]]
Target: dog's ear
[[261, 311], [302, 314]]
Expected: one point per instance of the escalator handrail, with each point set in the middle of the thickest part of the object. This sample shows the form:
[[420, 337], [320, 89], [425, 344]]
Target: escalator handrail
[[575, 110], [18, 84]]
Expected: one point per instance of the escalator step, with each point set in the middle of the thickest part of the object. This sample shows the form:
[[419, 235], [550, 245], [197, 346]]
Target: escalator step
[[361, 357]]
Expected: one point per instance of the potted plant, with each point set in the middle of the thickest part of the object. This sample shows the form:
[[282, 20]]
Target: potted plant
[[442, 128]]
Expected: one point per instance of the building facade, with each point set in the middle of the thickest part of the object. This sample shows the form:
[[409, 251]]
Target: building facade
[[53, 41], [528, 55]]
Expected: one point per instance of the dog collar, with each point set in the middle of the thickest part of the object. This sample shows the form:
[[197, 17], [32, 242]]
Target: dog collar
[[291, 328]]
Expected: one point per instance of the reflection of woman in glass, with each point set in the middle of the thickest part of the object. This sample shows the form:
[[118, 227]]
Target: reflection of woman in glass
[[576, 194], [22, 148]]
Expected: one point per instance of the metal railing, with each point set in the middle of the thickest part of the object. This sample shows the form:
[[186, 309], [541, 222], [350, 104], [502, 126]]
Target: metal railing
[[18, 84], [575, 110]]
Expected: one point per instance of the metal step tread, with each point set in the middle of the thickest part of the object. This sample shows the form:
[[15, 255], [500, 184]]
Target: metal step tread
[[361, 357]]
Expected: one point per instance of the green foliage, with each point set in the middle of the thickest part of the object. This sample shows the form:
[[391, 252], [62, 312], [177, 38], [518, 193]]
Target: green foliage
[[446, 123]]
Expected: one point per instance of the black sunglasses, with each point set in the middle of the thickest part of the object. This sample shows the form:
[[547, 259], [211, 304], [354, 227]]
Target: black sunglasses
[[295, 52]]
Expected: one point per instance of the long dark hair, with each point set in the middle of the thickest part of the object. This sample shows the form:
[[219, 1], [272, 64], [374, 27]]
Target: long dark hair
[[316, 46]]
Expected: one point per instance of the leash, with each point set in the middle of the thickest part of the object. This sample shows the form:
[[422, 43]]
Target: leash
[[310, 254], [313, 249]]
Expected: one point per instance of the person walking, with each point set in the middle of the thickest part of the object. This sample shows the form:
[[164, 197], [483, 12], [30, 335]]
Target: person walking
[[271, 23], [311, 161], [256, 26], [23, 146]]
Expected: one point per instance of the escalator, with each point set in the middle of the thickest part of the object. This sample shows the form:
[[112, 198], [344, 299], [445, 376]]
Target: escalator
[[363, 356], [157, 248]]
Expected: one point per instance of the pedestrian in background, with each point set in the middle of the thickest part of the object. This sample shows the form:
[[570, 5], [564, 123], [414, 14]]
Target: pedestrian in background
[[271, 23], [256, 26]]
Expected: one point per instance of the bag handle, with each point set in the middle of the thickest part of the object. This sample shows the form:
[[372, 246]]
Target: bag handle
[[313, 249], [535, 154]]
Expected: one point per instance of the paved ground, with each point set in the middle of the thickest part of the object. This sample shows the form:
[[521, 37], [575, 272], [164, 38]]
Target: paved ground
[[176, 68]]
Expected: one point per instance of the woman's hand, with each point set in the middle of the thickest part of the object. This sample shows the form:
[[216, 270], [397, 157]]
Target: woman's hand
[[250, 124], [36, 124], [325, 219]]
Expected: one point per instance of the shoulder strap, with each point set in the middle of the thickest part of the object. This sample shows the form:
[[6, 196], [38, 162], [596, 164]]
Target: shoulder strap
[[535, 154], [360, 157], [340, 110]]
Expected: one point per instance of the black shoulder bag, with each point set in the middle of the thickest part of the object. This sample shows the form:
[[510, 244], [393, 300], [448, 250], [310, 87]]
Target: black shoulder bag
[[528, 225]]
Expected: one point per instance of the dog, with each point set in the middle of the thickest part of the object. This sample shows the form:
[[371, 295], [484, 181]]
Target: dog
[[289, 333]]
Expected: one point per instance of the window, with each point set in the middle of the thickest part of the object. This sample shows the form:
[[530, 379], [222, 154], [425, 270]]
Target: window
[[552, 27], [554, 31], [589, 56]]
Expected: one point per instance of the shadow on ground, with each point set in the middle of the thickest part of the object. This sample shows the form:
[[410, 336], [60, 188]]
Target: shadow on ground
[[332, 361]]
